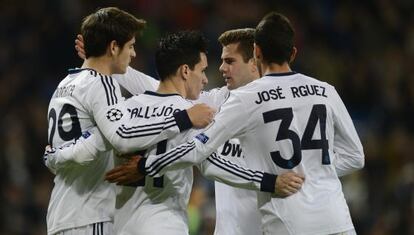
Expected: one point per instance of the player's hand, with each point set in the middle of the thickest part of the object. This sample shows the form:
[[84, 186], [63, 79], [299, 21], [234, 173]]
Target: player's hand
[[126, 173], [288, 183], [80, 46], [49, 159], [201, 115], [125, 156]]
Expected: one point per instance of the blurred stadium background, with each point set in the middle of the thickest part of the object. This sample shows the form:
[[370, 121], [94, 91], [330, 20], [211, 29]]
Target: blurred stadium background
[[364, 48]]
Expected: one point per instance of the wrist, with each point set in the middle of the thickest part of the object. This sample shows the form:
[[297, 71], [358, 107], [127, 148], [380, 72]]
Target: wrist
[[141, 166], [268, 183], [183, 120]]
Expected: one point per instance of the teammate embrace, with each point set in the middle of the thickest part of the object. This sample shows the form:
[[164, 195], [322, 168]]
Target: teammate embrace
[[283, 140]]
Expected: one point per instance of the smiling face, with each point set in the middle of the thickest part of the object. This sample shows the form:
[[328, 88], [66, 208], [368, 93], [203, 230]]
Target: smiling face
[[197, 78], [122, 56], [235, 70]]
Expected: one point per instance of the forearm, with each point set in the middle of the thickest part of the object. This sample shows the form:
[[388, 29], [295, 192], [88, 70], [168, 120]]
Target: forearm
[[346, 163], [81, 151], [180, 157], [229, 173], [190, 153]]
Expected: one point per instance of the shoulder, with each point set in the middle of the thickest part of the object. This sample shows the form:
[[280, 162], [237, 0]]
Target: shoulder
[[86, 77], [136, 82], [314, 80], [250, 88], [82, 79]]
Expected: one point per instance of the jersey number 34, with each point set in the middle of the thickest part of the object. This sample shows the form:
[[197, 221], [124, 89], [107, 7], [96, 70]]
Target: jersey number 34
[[318, 113]]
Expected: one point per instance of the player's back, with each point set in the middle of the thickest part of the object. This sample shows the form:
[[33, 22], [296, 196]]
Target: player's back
[[163, 199], [80, 195], [291, 125]]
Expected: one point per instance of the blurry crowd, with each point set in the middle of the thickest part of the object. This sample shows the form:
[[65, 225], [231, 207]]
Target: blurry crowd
[[364, 48]]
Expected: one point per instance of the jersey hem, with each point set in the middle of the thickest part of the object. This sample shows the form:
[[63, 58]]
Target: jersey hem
[[75, 225], [328, 231]]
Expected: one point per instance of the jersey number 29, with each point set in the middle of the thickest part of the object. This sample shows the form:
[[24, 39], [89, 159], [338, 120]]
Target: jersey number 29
[[75, 130], [318, 113]]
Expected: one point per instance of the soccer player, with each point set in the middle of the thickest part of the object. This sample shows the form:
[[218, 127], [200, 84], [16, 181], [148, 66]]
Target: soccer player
[[236, 208], [285, 121], [81, 202]]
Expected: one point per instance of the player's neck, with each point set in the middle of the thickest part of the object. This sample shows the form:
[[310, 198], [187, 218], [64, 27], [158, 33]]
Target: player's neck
[[171, 86], [275, 68], [100, 64]]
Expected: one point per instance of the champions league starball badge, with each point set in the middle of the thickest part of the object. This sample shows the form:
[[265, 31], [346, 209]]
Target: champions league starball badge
[[114, 115]]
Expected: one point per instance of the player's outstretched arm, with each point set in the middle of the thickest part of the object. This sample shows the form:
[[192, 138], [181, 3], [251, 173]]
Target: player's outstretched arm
[[226, 125], [82, 151], [130, 130], [227, 172]]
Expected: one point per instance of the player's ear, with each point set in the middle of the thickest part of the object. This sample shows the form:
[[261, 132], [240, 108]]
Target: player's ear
[[113, 48], [258, 57], [257, 52], [252, 65], [184, 71], [293, 55]]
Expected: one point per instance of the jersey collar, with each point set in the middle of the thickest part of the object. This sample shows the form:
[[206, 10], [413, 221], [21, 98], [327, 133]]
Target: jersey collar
[[159, 94], [279, 74], [78, 70]]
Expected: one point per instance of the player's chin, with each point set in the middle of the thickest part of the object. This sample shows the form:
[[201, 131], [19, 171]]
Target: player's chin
[[230, 86], [229, 83]]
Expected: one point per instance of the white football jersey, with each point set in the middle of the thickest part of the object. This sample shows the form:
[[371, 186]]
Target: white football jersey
[[286, 122], [236, 208], [162, 201], [80, 195]]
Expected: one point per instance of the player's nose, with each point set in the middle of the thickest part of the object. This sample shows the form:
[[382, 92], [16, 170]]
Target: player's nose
[[205, 80], [222, 67]]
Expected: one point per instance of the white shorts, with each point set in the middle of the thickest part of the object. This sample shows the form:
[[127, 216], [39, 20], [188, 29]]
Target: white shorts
[[101, 228]]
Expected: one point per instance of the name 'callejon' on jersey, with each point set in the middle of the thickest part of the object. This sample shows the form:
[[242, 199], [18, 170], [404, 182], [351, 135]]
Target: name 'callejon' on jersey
[[148, 112]]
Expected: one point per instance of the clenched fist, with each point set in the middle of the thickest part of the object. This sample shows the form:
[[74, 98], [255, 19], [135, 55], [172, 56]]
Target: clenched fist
[[288, 183], [201, 115]]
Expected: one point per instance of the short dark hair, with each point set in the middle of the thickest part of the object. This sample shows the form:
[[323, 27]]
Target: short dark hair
[[105, 25], [179, 48], [245, 38], [275, 36]]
